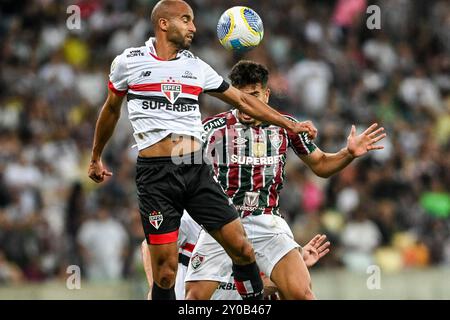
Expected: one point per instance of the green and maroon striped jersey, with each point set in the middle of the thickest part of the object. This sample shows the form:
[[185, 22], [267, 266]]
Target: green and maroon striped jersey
[[249, 161]]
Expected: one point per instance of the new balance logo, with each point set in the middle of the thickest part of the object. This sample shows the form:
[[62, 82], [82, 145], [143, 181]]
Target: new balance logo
[[145, 74]]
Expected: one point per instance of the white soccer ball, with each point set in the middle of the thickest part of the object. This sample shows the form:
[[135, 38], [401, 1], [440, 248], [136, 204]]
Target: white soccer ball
[[240, 29]]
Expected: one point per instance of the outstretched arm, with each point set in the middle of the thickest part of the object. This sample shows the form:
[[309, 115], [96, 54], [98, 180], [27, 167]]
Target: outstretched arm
[[326, 164], [261, 111], [106, 122]]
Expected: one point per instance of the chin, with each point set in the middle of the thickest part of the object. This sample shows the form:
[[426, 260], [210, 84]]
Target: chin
[[186, 46]]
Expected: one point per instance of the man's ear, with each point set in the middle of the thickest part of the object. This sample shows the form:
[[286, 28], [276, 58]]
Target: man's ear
[[163, 24], [267, 95]]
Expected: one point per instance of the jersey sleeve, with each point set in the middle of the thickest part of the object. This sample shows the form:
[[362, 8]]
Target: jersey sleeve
[[300, 143], [213, 82], [118, 76]]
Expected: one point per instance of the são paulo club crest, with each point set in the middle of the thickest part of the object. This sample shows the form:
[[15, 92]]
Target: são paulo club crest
[[171, 90], [196, 261], [155, 218]]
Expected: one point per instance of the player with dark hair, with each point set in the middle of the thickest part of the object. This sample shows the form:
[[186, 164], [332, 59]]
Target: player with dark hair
[[249, 157], [162, 81]]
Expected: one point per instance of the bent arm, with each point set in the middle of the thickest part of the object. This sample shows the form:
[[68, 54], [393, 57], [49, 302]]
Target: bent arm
[[253, 107], [326, 164], [106, 122]]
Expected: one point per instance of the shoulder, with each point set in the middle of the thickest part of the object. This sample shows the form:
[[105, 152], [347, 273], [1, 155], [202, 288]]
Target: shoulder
[[188, 55], [216, 121], [134, 52]]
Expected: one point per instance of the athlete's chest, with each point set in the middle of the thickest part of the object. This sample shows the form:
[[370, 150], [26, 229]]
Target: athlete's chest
[[175, 73], [255, 146]]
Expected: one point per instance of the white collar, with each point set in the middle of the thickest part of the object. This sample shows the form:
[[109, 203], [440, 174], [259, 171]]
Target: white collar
[[150, 44]]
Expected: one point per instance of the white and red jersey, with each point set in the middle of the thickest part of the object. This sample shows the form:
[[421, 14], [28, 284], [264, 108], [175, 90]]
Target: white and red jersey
[[162, 96]]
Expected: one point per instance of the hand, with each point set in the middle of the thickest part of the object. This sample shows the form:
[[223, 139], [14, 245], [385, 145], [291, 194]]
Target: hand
[[97, 172], [305, 126], [269, 287], [315, 250], [363, 143]]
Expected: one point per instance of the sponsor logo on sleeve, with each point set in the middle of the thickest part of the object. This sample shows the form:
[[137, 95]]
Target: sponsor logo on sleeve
[[196, 261]]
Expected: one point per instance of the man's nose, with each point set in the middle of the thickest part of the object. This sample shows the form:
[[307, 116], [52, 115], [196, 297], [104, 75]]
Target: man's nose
[[192, 27]]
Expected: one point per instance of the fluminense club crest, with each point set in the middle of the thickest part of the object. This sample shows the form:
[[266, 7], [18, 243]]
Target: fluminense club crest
[[196, 261], [275, 139]]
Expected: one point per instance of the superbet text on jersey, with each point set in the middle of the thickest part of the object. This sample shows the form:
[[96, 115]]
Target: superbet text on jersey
[[162, 95]]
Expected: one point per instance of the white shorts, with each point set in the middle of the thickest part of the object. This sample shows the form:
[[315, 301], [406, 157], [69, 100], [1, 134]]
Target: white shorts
[[270, 236], [179, 282]]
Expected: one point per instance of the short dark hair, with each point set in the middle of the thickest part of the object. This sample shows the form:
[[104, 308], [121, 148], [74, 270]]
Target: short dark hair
[[247, 72]]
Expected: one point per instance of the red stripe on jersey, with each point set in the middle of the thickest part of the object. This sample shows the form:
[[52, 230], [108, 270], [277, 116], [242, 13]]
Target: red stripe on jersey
[[194, 90], [257, 177], [273, 194], [240, 287], [188, 247], [233, 169], [146, 87], [185, 88], [118, 92], [163, 238], [257, 169]]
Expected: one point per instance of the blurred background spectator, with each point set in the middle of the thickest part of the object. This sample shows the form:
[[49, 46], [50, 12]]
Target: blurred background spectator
[[391, 208]]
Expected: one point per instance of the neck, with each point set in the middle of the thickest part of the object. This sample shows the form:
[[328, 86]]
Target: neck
[[165, 50]]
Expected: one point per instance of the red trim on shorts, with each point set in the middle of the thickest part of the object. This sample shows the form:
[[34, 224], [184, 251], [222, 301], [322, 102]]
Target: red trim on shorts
[[188, 247], [163, 238], [118, 92]]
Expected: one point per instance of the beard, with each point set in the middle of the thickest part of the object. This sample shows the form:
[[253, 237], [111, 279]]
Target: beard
[[179, 40]]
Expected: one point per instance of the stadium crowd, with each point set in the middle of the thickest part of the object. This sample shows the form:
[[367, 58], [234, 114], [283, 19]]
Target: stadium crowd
[[391, 208]]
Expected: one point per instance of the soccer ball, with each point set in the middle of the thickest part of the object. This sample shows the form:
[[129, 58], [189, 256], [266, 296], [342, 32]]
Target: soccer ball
[[240, 29]]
